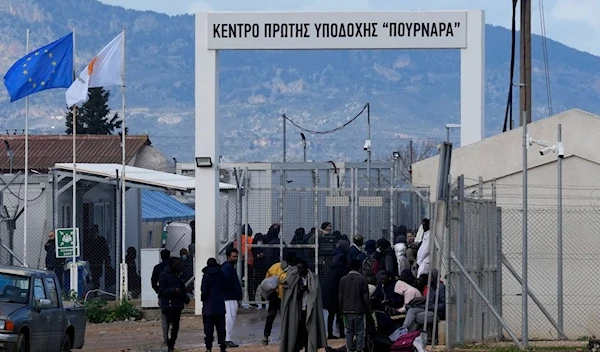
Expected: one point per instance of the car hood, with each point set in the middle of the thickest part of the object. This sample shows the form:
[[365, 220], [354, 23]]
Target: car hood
[[7, 308]]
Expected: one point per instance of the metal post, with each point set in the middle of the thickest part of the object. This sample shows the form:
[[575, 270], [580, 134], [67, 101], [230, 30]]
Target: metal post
[[524, 246], [369, 166], [353, 200], [281, 186], [560, 235], [460, 296], [304, 146], [284, 138], [316, 205], [392, 205], [239, 177], [447, 134]]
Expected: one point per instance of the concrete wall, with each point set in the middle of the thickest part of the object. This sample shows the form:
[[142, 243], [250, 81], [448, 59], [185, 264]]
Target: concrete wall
[[499, 158]]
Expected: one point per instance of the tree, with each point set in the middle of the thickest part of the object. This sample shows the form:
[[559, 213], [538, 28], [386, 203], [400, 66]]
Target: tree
[[410, 153], [93, 116]]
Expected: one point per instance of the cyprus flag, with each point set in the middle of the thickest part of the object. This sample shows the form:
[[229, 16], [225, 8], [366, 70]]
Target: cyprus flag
[[104, 70]]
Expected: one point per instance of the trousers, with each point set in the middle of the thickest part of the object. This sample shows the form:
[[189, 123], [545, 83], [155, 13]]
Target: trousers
[[164, 324], [274, 307], [355, 331], [231, 308], [173, 318], [210, 323]]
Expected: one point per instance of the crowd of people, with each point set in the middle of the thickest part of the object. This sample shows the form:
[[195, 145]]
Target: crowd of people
[[376, 293]]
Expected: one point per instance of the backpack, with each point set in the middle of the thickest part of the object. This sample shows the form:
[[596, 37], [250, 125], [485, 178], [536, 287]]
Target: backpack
[[367, 265], [405, 342]]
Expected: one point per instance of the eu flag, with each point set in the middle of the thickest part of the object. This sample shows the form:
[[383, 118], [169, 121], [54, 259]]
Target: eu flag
[[48, 67]]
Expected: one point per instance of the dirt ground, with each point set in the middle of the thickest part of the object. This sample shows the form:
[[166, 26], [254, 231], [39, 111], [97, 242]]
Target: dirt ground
[[146, 336]]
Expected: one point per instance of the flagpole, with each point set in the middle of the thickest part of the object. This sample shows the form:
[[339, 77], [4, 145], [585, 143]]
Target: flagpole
[[26, 165], [124, 283], [74, 281]]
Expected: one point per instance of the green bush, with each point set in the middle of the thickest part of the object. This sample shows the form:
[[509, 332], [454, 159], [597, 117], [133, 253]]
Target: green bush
[[98, 311]]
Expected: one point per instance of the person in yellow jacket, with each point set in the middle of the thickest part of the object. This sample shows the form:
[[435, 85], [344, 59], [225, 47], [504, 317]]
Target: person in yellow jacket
[[278, 270]]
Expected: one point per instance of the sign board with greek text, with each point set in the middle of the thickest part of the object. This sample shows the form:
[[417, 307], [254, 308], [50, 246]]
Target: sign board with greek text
[[350, 30], [66, 241]]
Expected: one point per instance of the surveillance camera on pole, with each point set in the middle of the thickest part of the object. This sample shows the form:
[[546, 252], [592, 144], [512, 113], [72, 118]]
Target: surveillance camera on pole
[[367, 145]]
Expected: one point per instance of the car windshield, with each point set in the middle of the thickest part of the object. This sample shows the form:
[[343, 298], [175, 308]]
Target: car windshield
[[14, 288]]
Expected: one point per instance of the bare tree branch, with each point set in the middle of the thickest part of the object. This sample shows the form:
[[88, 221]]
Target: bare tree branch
[[410, 153]]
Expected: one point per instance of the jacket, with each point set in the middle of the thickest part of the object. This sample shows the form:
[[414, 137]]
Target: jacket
[[331, 286], [53, 263], [232, 289], [171, 292], [407, 291], [354, 252], [388, 261], [354, 293], [403, 263], [279, 270], [213, 299], [158, 269], [423, 259], [246, 242]]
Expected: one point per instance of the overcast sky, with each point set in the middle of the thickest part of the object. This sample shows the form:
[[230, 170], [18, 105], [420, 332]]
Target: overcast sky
[[572, 22]]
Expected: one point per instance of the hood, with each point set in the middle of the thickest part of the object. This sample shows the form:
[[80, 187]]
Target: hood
[[370, 246], [383, 244], [400, 239], [401, 287], [407, 276], [7, 308], [400, 249], [211, 270], [344, 245]]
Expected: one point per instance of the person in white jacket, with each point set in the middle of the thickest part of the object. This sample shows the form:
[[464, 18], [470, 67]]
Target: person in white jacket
[[400, 249], [423, 257]]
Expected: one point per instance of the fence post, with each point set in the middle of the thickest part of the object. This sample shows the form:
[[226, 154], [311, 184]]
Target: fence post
[[392, 205], [281, 191], [460, 254], [449, 220], [238, 226], [499, 262], [352, 201], [316, 208], [355, 202]]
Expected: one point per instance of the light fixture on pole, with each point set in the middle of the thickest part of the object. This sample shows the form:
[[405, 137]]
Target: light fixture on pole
[[448, 127], [395, 157], [303, 145], [204, 161]]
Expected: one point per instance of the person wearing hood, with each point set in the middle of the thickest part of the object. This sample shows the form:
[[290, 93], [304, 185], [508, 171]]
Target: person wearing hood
[[423, 259], [213, 304], [355, 251], [341, 250], [369, 263], [407, 276], [173, 298], [232, 292], [400, 250], [331, 288], [388, 261], [415, 312], [303, 325], [385, 295], [188, 265], [53, 263], [408, 292]]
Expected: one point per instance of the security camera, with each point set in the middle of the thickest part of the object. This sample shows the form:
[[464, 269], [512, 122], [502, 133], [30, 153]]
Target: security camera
[[546, 150], [560, 150], [367, 145]]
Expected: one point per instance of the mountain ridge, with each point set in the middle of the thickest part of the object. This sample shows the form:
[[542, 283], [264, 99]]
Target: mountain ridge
[[413, 93]]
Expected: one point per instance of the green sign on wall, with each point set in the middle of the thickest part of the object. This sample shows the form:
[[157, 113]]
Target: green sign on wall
[[67, 241]]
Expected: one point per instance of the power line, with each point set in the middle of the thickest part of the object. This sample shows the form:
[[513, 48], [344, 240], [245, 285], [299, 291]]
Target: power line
[[545, 57], [328, 131]]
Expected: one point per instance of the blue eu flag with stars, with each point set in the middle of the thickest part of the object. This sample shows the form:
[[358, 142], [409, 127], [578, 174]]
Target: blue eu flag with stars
[[48, 67]]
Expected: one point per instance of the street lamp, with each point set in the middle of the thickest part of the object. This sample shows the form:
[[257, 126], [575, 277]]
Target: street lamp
[[448, 127], [303, 144]]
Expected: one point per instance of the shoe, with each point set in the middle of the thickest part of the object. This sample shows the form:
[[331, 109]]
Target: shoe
[[231, 344], [265, 340]]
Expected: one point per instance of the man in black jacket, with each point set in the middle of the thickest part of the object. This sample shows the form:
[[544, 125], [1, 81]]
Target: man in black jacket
[[165, 254], [232, 290], [354, 304], [173, 297]]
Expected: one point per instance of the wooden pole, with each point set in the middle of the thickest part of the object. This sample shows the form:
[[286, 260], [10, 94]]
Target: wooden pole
[[525, 62]]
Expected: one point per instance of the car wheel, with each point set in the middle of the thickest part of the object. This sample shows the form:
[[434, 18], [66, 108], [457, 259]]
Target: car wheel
[[65, 346], [22, 343]]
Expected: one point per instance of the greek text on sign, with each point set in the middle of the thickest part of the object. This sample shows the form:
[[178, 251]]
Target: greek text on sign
[[66, 242], [353, 30]]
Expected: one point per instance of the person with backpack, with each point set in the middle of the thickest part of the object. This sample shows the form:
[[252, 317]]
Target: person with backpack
[[388, 260], [173, 297], [368, 264], [275, 295], [355, 251]]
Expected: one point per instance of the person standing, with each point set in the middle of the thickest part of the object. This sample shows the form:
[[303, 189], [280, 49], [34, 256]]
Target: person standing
[[53, 263], [165, 254], [354, 304], [213, 304], [173, 297], [331, 302], [232, 292], [278, 270], [302, 323], [423, 258]]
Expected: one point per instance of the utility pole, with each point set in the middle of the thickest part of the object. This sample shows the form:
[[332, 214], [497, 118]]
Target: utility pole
[[525, 62]]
